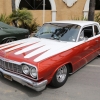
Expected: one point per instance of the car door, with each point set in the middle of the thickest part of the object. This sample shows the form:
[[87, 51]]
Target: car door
[[97, 36], [89, 46]]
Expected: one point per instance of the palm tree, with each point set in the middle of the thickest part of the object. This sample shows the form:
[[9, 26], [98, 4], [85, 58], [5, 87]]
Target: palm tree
[[21, 17], [91, 10], [5, 19], [24, 19]]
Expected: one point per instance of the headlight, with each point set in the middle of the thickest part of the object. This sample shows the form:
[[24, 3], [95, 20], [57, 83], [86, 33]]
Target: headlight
[[25, 69], [33, 72]]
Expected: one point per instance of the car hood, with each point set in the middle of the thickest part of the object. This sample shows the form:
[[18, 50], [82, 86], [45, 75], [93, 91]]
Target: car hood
[[36, 49], [16, 30]]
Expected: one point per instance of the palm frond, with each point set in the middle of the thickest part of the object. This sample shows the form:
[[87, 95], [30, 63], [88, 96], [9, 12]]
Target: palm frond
[[4, 18]]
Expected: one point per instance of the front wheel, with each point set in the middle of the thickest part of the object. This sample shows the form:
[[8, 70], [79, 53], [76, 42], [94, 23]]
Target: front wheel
[[60, 77], [8, 40]]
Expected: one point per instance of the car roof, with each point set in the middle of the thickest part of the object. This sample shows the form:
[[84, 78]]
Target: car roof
[[78, 22]]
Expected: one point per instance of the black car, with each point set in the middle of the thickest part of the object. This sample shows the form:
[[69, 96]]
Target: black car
[[10, 33]]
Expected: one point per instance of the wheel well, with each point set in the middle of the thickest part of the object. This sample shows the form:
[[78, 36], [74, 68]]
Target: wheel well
[[69, 65]]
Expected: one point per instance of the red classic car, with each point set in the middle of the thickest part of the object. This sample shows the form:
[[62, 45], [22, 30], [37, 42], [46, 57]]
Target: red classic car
[[58, 49]]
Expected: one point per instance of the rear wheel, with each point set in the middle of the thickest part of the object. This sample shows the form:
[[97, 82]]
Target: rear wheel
[[60, 76]]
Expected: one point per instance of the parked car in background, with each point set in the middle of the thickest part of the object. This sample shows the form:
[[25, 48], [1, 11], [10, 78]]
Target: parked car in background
[[58, 49], [9, 33]]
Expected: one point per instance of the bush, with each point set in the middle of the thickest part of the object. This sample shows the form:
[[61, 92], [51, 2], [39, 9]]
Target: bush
[[78, 18], [5, 19], [97, 17], [24, 19], [32, 27]]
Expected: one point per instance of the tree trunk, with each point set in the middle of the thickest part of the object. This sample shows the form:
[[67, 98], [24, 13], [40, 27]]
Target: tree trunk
[[91, 10], [15, 23]]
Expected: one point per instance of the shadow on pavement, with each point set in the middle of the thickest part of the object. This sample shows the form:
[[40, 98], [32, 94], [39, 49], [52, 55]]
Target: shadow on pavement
[[17, 86]]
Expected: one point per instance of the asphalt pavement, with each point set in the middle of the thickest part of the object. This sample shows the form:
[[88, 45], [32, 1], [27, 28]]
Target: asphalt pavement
[[82, 85]]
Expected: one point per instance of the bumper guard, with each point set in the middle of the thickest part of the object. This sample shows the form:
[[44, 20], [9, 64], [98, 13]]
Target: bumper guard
[[38, 86]]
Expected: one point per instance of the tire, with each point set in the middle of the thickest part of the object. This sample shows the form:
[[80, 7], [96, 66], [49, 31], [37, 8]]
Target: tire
[[8, 40], [1, 75], [60, 77]]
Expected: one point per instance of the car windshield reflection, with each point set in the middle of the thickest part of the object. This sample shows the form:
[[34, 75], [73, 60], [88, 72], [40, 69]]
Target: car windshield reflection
[[58, 31]]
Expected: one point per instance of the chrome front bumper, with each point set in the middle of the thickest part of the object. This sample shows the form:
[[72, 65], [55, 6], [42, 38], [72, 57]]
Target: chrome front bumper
[[38, 86]]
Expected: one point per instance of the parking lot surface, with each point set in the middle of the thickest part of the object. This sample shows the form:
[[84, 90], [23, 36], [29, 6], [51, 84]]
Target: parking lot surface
[[82, 85]]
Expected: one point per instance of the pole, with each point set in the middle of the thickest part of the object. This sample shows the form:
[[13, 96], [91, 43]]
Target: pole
[[43, 11]]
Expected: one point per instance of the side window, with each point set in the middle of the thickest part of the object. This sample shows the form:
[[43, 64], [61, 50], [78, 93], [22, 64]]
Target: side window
[[86, 32], [96, 31]]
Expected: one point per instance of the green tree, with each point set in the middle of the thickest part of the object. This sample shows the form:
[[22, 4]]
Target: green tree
[[97, 17], [24, 19], [5, 19]]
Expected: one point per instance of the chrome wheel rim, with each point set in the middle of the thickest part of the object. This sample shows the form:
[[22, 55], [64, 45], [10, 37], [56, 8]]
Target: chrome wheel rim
[[9, 40], [61, 74]]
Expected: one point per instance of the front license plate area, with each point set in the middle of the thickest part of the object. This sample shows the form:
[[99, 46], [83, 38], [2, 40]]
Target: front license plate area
[[8, 77]]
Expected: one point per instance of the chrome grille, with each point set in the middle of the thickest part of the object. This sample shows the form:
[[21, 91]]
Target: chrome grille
[[10, 66]]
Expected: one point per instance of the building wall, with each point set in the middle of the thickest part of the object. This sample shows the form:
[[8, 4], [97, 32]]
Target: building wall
[[38, 15], [5, 7], [65, 13]]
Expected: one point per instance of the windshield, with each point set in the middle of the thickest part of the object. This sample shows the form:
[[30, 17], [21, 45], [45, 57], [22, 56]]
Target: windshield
[[59, 31]]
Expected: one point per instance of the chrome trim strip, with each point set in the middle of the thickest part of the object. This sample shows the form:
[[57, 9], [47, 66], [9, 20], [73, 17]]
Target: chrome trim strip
[[38, 86], [19, 63], [8, 60]]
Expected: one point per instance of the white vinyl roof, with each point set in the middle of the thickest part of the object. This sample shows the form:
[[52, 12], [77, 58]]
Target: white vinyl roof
[[81, 23]]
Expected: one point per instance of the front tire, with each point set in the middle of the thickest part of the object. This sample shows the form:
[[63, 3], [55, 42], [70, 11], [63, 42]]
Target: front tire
[[8, 40], [60, 77]]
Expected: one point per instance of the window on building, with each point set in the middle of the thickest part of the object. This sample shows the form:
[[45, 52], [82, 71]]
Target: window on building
[[97, 5], [34, 4]]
